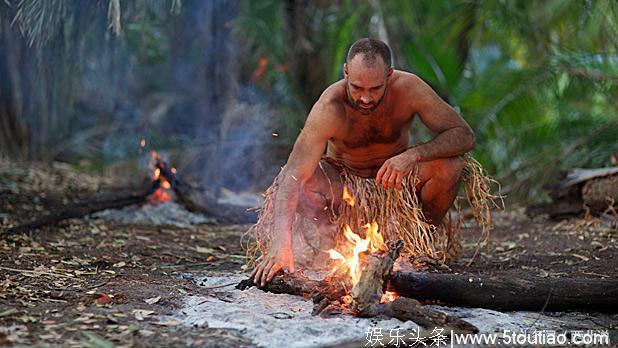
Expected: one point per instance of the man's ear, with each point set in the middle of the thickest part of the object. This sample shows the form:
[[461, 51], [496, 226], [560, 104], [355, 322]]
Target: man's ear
[[345, 70], [389, 73]]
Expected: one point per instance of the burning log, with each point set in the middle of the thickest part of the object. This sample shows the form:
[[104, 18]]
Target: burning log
[[366, 294], [197, 199], [498, 293]]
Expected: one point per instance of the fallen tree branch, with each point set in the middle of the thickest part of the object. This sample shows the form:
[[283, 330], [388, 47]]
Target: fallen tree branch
[[507, 293], [498, 293], [34, 273], [75, 210]]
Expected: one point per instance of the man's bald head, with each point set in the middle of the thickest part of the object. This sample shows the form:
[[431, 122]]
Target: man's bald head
[[370, 49]]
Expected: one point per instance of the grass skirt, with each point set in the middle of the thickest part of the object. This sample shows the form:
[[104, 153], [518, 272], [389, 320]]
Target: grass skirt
[[398, 213]]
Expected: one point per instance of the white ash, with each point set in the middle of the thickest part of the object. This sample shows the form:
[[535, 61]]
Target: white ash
[[164, 213], [272, 320]]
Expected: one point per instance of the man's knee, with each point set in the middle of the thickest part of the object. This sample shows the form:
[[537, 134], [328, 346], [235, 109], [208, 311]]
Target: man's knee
[[451, 168], [445, 170]]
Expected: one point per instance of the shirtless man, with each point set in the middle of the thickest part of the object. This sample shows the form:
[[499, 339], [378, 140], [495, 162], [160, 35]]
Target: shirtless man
[[362, 121]]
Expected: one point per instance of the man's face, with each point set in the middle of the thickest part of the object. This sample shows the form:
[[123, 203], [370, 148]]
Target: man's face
[[366, 85]]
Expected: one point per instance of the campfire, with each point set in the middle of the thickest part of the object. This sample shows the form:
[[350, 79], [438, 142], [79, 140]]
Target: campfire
[[357, 283], [352, 258], [163, 193], [157, 188]]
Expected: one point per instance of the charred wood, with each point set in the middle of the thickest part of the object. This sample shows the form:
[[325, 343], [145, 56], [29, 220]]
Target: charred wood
[[507, 293], [404, 309], [366, 294], [76, 210], [197, 199], [299, 284]]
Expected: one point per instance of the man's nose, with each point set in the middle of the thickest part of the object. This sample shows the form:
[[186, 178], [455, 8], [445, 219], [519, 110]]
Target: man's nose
[[365, 99]]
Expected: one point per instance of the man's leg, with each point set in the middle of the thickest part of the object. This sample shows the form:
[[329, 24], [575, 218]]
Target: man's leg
[[312, 231], [321, 194], [439, 183]]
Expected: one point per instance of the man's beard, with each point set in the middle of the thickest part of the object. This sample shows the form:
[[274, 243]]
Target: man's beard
[[365, 109]]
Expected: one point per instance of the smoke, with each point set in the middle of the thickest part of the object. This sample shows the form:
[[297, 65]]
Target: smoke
[[89, 95]]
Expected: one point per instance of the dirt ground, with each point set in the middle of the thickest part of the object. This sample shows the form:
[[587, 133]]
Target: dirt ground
[[94, 283]]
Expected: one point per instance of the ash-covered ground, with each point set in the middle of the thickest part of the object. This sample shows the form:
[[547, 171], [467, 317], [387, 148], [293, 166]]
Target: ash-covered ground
[[156, 283]]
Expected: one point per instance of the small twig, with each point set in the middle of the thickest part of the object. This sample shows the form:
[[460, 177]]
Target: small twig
[[219, 286], [67, 288], [27, 271], [542, 309], [321, 306], [185, 265]]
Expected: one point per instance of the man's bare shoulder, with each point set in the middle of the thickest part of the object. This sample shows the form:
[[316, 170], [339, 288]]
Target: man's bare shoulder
[[406, 80], [334, 95], [411, 88], [330, 106]]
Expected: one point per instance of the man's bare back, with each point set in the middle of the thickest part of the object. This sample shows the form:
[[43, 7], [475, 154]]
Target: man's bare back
[[363, 123]]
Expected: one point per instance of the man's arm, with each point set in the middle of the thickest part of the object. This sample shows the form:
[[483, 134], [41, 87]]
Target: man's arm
[[454, 136], [303, 161]]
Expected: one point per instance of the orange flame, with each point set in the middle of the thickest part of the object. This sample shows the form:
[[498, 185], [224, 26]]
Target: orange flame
[[389, 296], [347, 197], [372, 243], [161, 194]]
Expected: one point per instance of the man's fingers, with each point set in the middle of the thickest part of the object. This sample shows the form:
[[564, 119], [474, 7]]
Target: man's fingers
[[267, 269], [391, 179], [399, 181], [276, 267], [257, 273], [384, 179], [290, 267], [257, 279], [259, 262]]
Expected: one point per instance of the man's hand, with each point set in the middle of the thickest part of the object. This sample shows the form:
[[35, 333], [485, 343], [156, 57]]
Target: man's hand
[[276, 259], [396, 168]]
